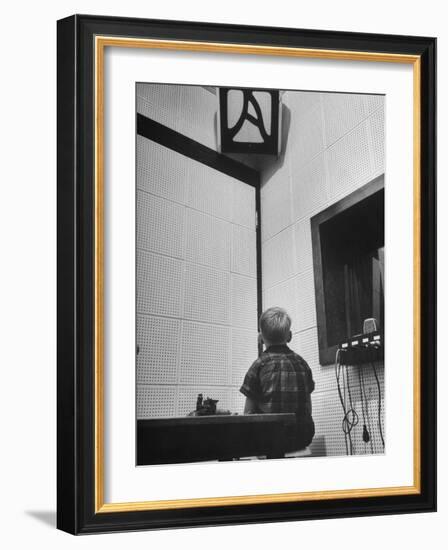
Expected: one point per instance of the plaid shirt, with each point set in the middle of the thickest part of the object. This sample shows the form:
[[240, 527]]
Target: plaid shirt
[[280, 381]]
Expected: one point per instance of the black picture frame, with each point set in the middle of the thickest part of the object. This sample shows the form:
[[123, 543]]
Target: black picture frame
[[77, 510]]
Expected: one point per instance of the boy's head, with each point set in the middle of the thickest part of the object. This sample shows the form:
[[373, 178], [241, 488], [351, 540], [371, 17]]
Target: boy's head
[[275, 326]]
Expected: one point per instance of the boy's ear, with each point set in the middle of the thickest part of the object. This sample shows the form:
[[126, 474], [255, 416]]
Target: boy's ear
[[289, 337], [260, 338]]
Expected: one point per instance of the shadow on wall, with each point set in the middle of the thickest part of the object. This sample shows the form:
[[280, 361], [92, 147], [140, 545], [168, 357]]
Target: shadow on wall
[[270, 164]]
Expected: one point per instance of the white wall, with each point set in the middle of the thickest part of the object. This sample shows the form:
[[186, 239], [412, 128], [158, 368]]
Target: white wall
[[196, 265], [28, 241], [190, 110], [335, 144]]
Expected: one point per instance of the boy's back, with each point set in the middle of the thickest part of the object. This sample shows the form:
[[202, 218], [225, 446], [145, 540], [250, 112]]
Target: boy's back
[[280, 381]]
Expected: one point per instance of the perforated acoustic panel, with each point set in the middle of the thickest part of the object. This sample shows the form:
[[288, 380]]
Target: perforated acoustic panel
[[310, 187], [345, 175], [244, 351], [205, 354], [187, 109], [278, 260], [207, 294], [158, 340], [310, 143], [276, 203], [377, 142], [152, 175], [159, 284], [196, 282], [161, 225], [208, 240], [342, 113]]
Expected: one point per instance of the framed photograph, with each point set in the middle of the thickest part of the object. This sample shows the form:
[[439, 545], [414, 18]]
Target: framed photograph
[[246, 274]]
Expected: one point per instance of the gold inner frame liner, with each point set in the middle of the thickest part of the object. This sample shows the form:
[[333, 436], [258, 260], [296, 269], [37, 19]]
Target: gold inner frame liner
[[101, 42]]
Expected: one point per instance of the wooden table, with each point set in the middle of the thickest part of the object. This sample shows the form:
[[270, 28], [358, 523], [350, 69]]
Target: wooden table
[[199, 438]]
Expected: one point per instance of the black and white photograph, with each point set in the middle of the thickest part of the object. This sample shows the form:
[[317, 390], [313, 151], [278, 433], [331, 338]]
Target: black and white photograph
[[260, 274]]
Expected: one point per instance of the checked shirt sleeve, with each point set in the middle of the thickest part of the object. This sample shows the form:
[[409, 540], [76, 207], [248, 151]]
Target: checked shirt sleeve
[[251, 385]]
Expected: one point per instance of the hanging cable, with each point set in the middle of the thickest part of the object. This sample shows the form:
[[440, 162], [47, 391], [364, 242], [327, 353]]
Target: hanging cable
[[337, 368], [379, 403], [350, 419], [367, 433], [346, 428], [354, 420]]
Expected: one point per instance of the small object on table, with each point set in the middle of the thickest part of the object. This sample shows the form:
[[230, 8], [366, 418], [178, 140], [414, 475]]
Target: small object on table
[[207, 407]]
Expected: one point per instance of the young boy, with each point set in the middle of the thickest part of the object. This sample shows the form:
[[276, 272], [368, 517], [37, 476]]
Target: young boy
[[280, 381]]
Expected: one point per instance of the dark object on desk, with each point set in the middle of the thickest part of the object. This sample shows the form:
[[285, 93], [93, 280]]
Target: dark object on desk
[[207, 407], [199, 438], [204, 407]]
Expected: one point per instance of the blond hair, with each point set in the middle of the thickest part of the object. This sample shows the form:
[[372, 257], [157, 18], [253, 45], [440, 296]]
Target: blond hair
[[275, 325]]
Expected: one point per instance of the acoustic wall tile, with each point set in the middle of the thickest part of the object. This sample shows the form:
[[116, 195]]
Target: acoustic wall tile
[[208, 240], [328, 416], [324, 378], [160, 225], [159, 284], [342, 113], [160, 102], [370, 393], [207, 294], [374, 419], [244, 302], [377, 141], [369, 375], [306, 136], [309, 187], [188, 396], [244, 251], [283, 295], [243, 204], [301, 104], [158, 340], [305, 343], [204, 354], [236, 401], [161, 171], [209, 191], [198, 114], [349, 165], [306, 307], [278, 258], [244, 353], [190, 110], [156, 401], [373, 102], [303, 245], [275, 203]]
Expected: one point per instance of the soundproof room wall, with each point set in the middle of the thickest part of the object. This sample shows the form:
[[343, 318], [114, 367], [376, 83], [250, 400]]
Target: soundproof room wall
[[196, 264], [333, 144]]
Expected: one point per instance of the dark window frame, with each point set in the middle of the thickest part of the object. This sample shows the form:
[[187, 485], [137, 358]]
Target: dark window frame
[[327, 352]]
